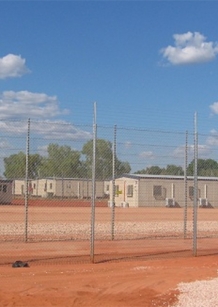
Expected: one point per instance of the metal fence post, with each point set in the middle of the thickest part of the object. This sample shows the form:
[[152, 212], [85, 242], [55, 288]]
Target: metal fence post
[[195, 202], [92, 252], [185, 184], [113, 184], [27, 180]]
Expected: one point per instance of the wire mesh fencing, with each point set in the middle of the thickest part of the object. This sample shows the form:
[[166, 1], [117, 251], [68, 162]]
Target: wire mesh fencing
[[142, 188]]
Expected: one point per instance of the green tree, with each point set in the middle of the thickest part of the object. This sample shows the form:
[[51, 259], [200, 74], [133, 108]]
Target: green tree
[[62, 161], [15, 166], [104, 160], [153, 170], [171, 169], [205, 167], [122, 168]]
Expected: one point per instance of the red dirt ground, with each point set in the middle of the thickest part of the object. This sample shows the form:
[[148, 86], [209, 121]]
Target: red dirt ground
[[126, 273], [144, 283], [43, 202]]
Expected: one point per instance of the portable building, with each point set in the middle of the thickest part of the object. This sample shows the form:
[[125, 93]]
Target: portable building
[[163, 190], [60, 187]]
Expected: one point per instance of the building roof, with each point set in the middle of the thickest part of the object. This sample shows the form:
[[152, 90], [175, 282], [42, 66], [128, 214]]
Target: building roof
[[175, 177]]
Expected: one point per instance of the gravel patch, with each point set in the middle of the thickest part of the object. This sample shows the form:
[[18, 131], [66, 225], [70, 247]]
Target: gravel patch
[[198, 294], [122, 230]]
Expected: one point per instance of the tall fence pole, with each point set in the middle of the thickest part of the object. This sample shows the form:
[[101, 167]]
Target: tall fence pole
[[113, 183], [195, 202], [92, 239], [185, 184], [27, 180]]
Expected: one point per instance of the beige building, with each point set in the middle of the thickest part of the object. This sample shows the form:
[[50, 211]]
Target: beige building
[[59, 187], [163, 190]]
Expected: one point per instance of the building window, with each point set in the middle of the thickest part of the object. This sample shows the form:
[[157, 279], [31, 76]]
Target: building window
[[130, 190], [4, 188], [191, 192], [159, 192], [30, 189], [50, 186], [173, 190], [117, 190], [34, 186]]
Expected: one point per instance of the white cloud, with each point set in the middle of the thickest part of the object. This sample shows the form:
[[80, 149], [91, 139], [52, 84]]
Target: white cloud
[[147, 155], [42, 150], [179, 152], [26, 104], [212, 140], [48, 130], [17, 107], [214, 107], [12, 66], [128, 144], [4, 144], [190, 48], [59, 130], [203, 151]]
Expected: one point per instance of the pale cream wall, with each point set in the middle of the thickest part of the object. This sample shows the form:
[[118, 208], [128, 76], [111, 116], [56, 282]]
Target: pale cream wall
[[75, 188], [19, 187], [174, 188]]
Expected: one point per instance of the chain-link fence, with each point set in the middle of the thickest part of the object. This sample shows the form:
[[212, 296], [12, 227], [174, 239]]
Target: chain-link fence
[[106, 192]]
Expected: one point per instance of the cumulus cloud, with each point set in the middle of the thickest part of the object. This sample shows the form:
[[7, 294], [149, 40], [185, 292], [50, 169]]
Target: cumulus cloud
[[147, 155], [212, 140], [25, 104], [179, 152], [12, 66], [214, 107], [190, 48], [48, 130], [203, 151], [4, 143], [42, 150], [128, 144], [17, 107], [60, 130]]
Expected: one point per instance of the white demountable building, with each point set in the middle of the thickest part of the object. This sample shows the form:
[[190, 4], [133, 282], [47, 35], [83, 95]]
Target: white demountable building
[[163, 190], [59, 187]]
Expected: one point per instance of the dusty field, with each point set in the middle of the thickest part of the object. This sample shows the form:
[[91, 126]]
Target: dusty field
[[140, 272], [42, 202], [142, 283]]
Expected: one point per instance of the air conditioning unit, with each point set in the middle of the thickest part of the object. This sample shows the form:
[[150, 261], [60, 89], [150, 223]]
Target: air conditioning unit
[[124, 204], [203, 202], [110, 204], [170, 202]]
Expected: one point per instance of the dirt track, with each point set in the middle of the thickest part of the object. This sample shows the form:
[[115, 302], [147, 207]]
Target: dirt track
[[45, 202], [142, 272], [124, 284]]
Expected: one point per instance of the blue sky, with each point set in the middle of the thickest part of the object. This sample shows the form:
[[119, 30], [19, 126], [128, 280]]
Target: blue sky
[[147, 64]]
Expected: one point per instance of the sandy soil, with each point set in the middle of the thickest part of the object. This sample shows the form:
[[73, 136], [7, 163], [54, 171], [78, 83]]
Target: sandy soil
[[144, 283], [143, 272]]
